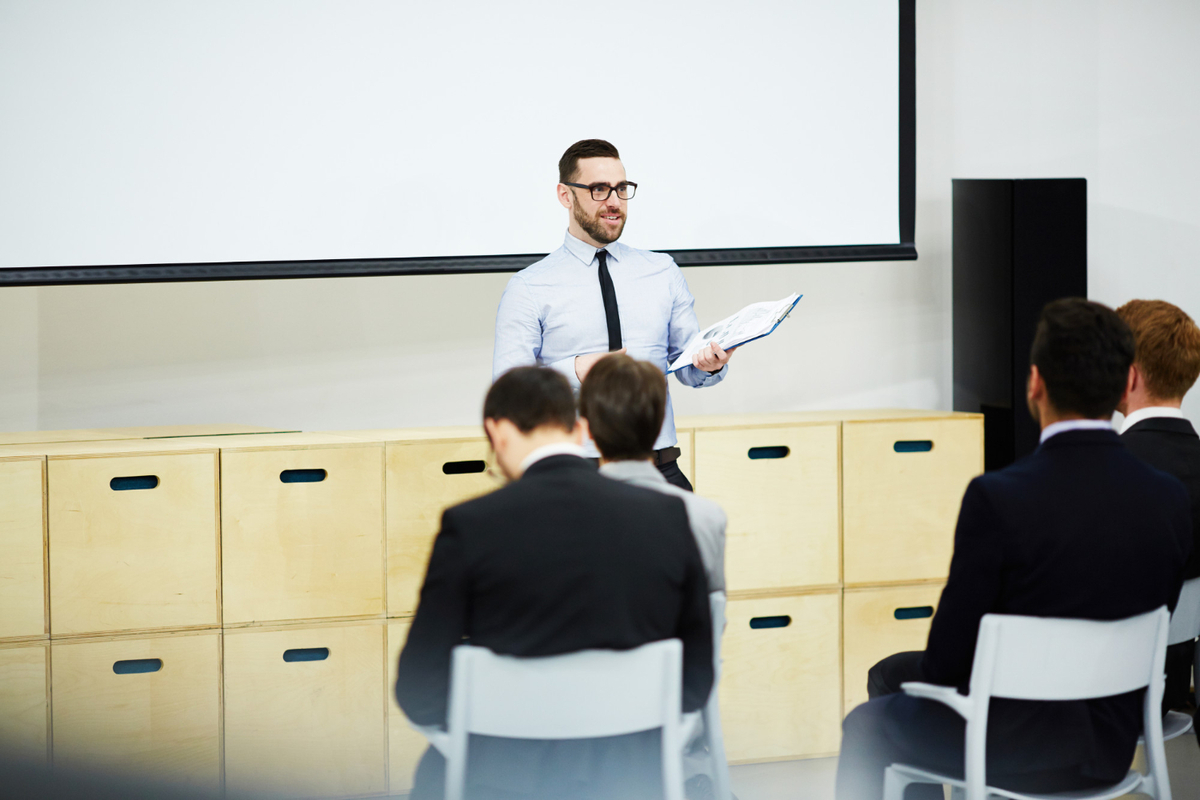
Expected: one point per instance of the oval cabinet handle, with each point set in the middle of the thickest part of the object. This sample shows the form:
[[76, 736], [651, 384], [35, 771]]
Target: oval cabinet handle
[[913, 446], [773, 451], [132, 483], [137, 666], [913, 612], [302, 475], [464, 467], [306, 654], [780, 621]]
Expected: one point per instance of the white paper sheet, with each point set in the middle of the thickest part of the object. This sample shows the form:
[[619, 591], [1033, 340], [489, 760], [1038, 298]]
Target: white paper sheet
[[752, 322]]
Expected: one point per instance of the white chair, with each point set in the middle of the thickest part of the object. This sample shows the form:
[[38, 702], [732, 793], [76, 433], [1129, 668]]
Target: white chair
[[583, 695], [1185, 627], [1034, 658], [711, 714]]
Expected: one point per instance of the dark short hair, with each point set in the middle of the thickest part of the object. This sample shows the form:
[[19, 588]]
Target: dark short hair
[[530, 397], [1083, 351], [623, 401], [1168, 346], [568, 165]]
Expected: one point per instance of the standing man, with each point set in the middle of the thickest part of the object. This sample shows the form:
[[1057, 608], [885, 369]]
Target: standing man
[[595, 295]]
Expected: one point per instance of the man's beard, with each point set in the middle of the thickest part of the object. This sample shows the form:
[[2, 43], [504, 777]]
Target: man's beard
[[596, 229]]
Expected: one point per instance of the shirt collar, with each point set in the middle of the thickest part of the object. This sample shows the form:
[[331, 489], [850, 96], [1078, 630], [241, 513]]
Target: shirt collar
[[545, 451], [1150, 412], [1055, 428], [632, 470], [586, 253]]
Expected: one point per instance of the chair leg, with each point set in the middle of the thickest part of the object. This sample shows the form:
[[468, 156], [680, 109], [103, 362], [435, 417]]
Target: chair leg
[[716, 752]]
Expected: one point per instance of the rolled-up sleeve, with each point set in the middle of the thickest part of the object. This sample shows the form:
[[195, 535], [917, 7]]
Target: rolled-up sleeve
[[683, 327]]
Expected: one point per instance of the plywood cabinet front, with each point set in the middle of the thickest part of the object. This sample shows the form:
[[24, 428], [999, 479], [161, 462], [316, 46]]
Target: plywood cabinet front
[[148, 708], [22, 543], [133, 543], [24, 702], [405, 745], [779, 489], [902, 485], [302, 533], [423, 480]]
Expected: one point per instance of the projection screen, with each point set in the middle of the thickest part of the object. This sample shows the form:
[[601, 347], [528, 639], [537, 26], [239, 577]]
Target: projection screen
[[222, 139]]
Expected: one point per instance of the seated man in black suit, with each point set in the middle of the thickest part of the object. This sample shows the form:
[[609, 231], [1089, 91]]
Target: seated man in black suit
[[559, 560], [1166, 365], [1080, 528]]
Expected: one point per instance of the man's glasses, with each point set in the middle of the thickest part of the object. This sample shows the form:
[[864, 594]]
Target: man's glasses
[[601, 191]]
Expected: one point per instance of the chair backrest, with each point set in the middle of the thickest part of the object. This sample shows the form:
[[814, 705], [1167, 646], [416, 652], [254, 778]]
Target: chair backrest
[[1044, 658], [591, 693], [1185, 622], [716, 605]]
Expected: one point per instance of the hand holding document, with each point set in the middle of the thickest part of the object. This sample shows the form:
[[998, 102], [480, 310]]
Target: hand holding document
[[752, 322]]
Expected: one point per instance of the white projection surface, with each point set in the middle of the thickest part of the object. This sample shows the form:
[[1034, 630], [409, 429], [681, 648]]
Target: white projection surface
[[146, 131]]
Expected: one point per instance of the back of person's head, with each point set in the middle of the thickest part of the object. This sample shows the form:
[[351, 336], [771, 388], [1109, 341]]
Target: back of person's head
[[568, 165], [530, 398], [1083, 352], [1168, 346], [623, 401]]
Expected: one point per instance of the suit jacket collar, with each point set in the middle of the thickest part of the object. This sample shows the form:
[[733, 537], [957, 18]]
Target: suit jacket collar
[[640, 473], [1082, 438], [1165, 425], [558, 463]]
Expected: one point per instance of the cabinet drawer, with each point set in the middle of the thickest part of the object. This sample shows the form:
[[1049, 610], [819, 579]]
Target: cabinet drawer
[[779, 489], [146, 707], [405, 745], [423, 480], [878, 623], [133, 543], [24, 703], [305, 714], [780, 678], [902, 485], [302, 533], [22, 541]]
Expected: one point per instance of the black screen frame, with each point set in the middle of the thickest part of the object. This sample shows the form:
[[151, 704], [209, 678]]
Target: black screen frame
[[443, 265]]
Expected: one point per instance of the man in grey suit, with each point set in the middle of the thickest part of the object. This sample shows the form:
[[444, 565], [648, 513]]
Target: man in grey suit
[[621, 403]]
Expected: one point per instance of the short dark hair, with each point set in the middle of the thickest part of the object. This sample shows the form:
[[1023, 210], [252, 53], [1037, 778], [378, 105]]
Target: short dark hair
[[1083, 351], [1168, 346], [530, 397], [568, 165], [623, 401]]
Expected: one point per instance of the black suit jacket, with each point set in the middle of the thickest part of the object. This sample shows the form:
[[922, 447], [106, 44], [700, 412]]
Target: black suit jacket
[[1080, 528], [559, 561], [1171, 445]]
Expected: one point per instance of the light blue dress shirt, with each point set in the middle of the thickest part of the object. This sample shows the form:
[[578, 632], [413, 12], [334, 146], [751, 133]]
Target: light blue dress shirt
[[552, 311]]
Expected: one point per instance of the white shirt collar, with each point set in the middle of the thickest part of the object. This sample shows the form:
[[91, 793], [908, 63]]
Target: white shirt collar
[[545, 451], [1150, 412], [586, 253], [1055, 428]]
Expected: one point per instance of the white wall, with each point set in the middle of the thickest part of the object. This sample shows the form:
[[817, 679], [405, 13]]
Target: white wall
[[1039, 88]]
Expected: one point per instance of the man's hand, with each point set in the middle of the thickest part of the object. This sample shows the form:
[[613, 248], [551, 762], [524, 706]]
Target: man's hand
[[711, 359], [584, 364]]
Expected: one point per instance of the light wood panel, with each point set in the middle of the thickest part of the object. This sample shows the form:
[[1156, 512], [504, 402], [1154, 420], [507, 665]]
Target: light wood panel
[[306, 728], [901, 507], [405, 745], [162, 725], [22, 542], [418, 490], [302, 550], [687, 453], [24, 704], [776, 419], [141, 559], [871, 631], [779, 687], [783, 512]]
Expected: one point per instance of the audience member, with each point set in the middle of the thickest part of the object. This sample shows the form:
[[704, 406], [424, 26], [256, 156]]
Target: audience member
[[1080, 528], [1165, 366], [622, 402], [559, 560]]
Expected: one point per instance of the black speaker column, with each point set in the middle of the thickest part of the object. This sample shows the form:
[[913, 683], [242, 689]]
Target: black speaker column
[[1018, 244]]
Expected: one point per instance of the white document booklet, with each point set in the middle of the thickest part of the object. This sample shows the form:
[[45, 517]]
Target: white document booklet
[[752, 322]]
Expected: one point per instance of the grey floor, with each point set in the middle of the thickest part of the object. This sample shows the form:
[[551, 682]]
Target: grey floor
[[813, 779]]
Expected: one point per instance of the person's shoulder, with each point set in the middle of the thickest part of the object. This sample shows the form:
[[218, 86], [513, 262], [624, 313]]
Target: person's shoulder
[[663, 260]]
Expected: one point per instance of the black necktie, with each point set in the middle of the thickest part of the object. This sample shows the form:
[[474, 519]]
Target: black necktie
[[610, 302]]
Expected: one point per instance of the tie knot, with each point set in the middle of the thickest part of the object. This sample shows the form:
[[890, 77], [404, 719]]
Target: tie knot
[[602, 255]]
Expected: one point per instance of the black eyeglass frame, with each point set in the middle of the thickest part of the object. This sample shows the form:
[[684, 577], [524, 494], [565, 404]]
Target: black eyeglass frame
[[593, 187]]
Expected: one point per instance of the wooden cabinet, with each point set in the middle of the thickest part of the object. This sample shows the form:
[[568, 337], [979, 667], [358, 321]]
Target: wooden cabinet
[[133, 542], [779, 697], [779, 489], [305, 711], [147, 707], [22, 542], [423, 479], [902, 484], [405, 745], [878, 623], [24, 703], [302, 530]]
